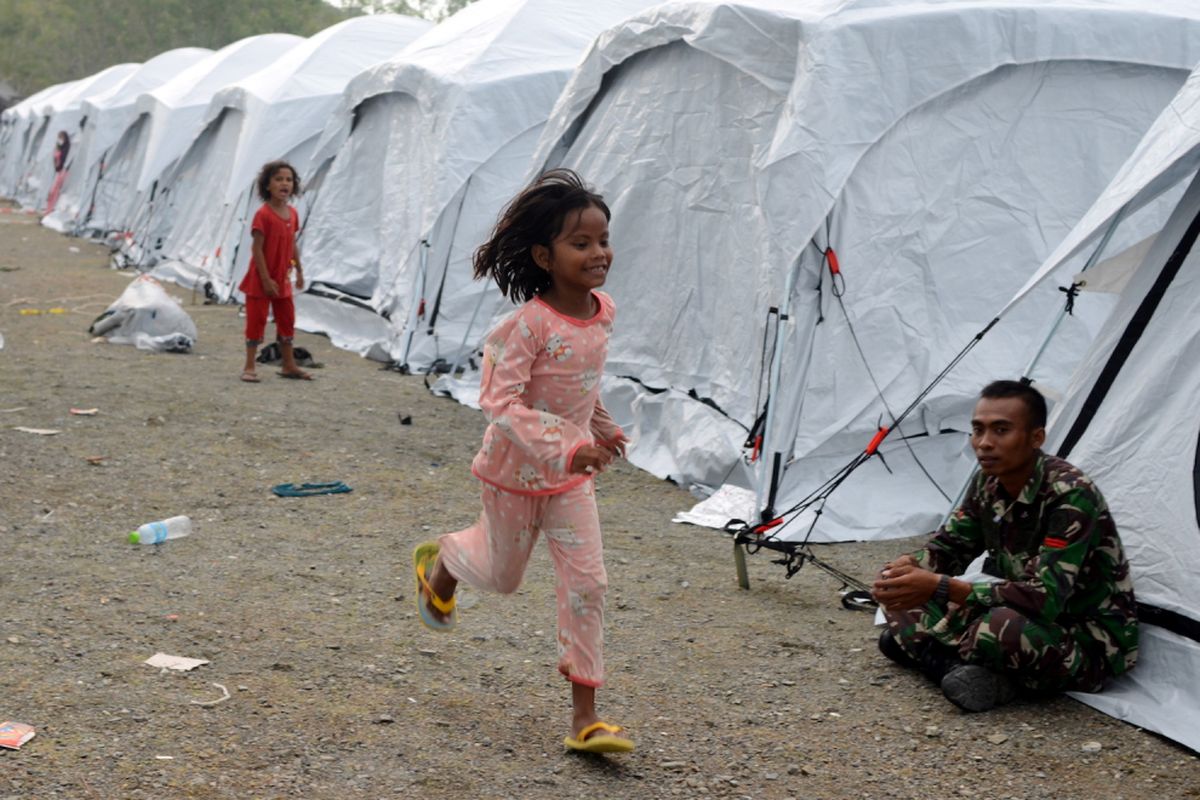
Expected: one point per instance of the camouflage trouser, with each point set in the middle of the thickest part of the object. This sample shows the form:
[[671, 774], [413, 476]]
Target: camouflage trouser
[[1039, 656]]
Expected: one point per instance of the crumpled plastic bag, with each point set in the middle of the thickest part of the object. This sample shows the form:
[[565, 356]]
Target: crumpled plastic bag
[[148, 318]]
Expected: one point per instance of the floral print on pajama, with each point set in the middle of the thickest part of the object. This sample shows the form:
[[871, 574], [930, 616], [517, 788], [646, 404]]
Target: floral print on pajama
[[491, 555], [540, 391]]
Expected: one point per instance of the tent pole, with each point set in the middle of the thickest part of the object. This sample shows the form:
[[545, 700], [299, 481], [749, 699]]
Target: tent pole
[[470, 326], [1028, 372], [768, 476], [769, 471], [414, 313], [233, 261], [1062, 312]]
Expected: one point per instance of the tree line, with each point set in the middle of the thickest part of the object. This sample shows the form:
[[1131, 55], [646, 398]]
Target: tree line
[[45, 42]]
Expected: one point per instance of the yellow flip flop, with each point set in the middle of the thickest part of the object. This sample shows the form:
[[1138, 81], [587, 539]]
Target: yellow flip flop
[[588, 741], [424, 557]]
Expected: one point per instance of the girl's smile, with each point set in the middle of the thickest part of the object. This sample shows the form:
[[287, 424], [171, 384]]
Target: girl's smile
[[579, 258]]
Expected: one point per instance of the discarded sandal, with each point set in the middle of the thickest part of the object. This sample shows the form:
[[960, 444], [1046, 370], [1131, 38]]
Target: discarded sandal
[[590, 740], [424, 557], [310, 489]]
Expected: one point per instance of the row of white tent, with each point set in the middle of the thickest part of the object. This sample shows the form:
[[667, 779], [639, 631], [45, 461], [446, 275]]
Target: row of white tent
[[935, 151]]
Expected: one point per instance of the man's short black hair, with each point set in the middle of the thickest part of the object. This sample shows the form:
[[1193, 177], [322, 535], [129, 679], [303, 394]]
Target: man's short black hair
[[1033, 399]]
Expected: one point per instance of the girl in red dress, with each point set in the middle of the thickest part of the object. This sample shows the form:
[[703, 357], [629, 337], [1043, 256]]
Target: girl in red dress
[[266, 285]]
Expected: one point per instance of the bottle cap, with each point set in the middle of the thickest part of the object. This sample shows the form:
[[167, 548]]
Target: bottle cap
[[134, 537]]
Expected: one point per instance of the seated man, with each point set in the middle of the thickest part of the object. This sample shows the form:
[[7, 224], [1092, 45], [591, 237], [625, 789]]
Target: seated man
[[1062, 617]]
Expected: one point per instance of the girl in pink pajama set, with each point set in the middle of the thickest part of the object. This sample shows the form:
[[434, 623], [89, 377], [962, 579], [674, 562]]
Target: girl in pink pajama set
[[549, 434]]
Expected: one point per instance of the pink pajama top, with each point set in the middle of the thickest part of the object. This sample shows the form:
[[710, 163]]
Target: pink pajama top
[[540, 392]]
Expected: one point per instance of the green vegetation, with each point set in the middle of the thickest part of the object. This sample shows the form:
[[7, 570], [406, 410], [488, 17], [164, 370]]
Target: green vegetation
[[44, 42]]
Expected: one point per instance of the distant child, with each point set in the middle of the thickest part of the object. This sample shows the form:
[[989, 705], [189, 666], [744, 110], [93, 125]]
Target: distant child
[[62, 149], [274, 253], [548, 437]]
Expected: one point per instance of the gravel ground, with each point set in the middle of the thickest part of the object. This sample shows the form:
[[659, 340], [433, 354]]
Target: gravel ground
[[304, 607]]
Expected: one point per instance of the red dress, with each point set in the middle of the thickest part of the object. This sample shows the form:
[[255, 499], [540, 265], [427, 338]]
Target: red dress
[[279, 249]]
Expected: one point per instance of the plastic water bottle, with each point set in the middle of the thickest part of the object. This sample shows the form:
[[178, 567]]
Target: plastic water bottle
[[161, 531]]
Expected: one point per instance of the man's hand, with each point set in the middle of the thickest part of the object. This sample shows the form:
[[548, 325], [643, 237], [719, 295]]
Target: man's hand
[[299, 277], [903, 585], [271, 288]]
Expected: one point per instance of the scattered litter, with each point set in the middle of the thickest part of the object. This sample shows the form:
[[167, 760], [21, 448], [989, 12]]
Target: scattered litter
[[38, 431], [728, 502], [85, 412], [12, 410], [406, 419], [15, 734], [96, 461], [33, 312], [178, 663], [74, 249], [310, 489], [1091, 747], [998, 738], [161, 530], [224, 696], [166, 758]]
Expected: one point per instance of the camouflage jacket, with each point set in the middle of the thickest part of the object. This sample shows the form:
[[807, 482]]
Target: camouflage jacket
[[1057, 550]]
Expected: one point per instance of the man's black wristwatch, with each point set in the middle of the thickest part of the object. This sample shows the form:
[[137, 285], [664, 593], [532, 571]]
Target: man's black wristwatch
[[941, 595]]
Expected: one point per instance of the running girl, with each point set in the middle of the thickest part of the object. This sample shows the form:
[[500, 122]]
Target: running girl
[[548, 434]]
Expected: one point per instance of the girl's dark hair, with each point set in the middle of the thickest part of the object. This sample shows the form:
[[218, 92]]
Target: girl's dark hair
[[263, 181], [534, 217]]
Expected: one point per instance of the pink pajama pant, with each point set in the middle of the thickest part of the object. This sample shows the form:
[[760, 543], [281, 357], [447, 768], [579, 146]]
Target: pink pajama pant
[[491, 555]]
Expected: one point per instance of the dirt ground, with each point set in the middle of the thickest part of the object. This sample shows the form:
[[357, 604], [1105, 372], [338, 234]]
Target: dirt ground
[[304, 606]]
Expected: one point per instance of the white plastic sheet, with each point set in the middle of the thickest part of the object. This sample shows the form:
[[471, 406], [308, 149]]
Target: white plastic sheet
[[148, 318]]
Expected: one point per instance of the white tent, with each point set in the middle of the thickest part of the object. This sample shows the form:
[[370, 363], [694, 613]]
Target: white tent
[[167, 119], [1129, 419], [107, 116], [429, 146], [940, 148], [63, 111], [277, 112]]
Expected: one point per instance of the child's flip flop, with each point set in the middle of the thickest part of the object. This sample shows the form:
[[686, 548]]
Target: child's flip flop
[[606, 742], [424, 557]]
